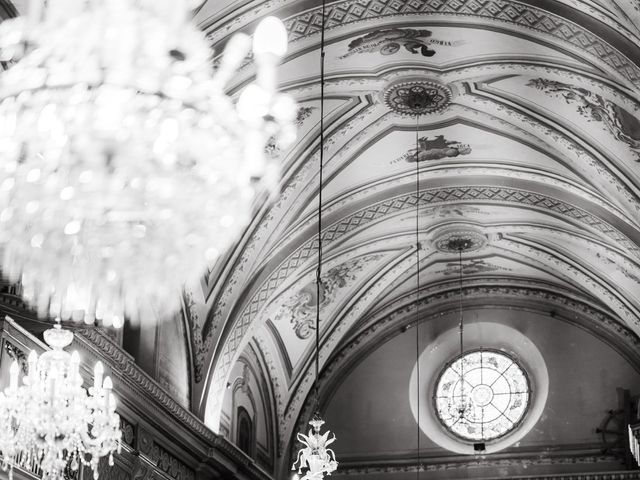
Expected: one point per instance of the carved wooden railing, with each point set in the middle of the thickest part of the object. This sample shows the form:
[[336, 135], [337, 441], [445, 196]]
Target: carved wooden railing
[[162, 440]]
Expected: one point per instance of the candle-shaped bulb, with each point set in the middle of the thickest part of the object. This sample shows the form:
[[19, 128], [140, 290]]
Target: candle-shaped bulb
[[75, 366], [270, 37], [14, 371], [108, 386], [32, 362], [98, 372], [112, 402]]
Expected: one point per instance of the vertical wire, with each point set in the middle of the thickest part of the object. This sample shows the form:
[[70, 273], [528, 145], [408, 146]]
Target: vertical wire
[[319, 269], [460, 291], [462, 409], [418, 295]]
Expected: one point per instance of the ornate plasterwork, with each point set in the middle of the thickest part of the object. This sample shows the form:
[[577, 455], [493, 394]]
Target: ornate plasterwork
[[428, 465], [17, 355], [454, 240], [604, 292], [374, 212], [201, 339], [125, 368], [561, 142], [435, 148], [500, 11], [418, 97], [623, 125], [300, 307], [571, 149], [389, 41]]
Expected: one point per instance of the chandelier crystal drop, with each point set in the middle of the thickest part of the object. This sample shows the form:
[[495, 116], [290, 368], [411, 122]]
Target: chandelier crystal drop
[[124, 166], [315, 457], [50, 421]]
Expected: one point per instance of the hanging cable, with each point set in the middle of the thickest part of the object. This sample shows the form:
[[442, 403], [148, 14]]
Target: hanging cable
[[460, 291], [319, 460], [462, 408], [418, 294], [319, 269]]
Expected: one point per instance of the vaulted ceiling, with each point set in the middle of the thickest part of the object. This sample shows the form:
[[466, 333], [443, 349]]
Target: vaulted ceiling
[[528, 148]]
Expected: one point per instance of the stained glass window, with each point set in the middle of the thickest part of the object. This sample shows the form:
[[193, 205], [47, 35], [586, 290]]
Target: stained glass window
[[482, 395]]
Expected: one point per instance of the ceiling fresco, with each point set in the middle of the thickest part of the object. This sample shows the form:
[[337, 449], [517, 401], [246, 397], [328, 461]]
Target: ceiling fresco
[[530, 146]]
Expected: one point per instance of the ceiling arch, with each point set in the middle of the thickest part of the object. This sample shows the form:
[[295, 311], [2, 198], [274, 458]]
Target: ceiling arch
[[536, 148]]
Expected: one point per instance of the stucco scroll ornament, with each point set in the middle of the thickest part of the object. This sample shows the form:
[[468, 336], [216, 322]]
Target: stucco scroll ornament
[[315, 457], [622, 124]]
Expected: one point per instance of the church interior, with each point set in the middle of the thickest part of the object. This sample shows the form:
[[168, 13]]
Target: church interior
[[447, 275]]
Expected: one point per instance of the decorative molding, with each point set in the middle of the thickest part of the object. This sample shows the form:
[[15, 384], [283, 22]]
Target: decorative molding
[[389, 40], [491, 461], [623, 475], [170, 464], [128, 432], [299, 307], [307, 23], [240, 458], [459, 239], [623, 125], [125, 368], [17, 355], [109, 472], [417, 97], [435, 148]]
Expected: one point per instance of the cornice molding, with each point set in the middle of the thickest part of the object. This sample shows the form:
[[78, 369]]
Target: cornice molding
[[124, 367]]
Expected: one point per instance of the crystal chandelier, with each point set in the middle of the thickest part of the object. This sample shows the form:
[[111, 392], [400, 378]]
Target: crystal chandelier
[[462, 408], [125, 167], [314, 456], [51, 422]]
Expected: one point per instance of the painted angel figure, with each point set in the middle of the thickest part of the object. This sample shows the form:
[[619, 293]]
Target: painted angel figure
[[315, 456]]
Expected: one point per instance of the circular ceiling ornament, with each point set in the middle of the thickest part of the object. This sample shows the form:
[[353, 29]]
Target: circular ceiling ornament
[[454, 241], [417, 97]]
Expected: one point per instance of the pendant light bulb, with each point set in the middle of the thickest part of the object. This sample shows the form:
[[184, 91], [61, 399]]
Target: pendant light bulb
[[270, 38]]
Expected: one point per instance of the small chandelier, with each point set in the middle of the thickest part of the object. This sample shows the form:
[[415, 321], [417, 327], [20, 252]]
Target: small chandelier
[[51, 422], [314, 456], [124, 166]]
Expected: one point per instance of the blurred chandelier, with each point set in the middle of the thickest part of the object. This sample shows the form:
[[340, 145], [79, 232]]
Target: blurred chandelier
[[51, 422], [125, 168]]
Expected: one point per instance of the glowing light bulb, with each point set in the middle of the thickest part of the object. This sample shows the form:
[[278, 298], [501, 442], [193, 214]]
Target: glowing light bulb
[[98, 371], [270, 38], [253, 103], [14, 371], [32, 362]]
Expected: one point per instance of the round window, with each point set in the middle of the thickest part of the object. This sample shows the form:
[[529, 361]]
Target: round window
[[482, 395]]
